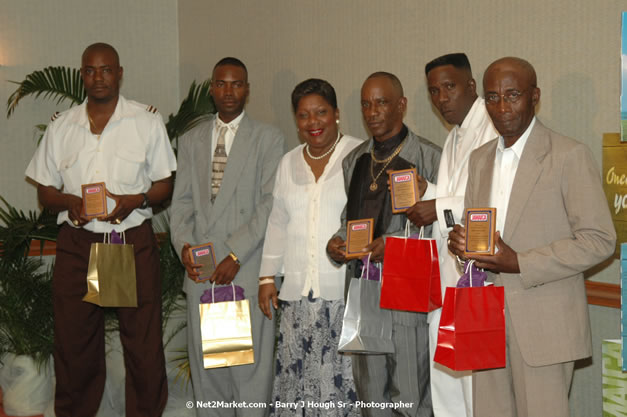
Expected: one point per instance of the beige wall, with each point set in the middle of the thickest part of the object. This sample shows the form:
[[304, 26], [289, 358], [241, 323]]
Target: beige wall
[[37, 34]]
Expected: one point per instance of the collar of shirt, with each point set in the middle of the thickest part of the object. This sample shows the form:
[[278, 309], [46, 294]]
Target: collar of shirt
[[519, 146], [121, 111], [232, 127], [385, 148]]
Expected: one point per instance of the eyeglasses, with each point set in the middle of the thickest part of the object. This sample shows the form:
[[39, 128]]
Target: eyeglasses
[[509, 97]]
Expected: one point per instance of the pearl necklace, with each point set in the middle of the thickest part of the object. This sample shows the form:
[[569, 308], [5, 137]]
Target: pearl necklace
[[331, 149]]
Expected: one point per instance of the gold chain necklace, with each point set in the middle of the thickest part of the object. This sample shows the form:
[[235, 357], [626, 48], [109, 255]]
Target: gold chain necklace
[[92, 123], [386, 161]]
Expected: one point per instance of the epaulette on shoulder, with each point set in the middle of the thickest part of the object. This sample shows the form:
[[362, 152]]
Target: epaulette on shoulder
[[55, 116], [152, 109]]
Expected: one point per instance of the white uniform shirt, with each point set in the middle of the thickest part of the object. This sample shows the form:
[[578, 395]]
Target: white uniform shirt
[[132, 152], [305, 214], [505, 167], [476, 130]]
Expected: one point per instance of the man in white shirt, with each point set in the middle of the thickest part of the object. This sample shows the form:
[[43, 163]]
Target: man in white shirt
[[125, 145], [453, 93], [227, 203], [553, 224]]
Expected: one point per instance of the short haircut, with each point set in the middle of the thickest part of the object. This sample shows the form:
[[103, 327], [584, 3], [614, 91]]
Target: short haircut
[[229, 60], [393, 78], [314, 86], [458, 60], [100, 46]]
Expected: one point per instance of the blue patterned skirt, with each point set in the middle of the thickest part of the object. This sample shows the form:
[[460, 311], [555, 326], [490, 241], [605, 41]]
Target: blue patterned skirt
[[312, 377]]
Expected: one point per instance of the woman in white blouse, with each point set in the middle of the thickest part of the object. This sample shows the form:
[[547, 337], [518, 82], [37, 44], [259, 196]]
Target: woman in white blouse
[[309, 198]]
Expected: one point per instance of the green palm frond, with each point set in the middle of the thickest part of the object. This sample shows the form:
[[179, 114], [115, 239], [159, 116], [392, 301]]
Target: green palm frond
[[19, 229], [60, 83], [196, 107], [26, 316]]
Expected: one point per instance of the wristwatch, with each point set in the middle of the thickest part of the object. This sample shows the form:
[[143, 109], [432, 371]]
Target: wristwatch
[[145, 203], [235, 258]]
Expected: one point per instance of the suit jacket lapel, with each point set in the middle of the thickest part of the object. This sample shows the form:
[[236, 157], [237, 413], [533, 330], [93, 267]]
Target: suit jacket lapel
[[529, 170], [234, 165], [486, 172], [202, 161]]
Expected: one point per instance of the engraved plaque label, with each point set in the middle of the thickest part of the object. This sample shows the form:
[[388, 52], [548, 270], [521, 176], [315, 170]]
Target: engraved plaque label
[[403, 189], [358, 236], [480, 230], [205, 255], [94, 200]]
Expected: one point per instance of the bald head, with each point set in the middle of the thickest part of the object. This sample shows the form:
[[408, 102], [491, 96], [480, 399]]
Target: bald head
[[100, 47], [511, 95], [396, 83], [520, 66]]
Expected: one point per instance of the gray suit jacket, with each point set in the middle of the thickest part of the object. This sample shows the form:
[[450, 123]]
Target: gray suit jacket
[[237, 220], [419, 151], [559, 223]]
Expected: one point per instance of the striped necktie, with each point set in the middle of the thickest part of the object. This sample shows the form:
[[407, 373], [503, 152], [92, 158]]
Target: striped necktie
[[219, 163]]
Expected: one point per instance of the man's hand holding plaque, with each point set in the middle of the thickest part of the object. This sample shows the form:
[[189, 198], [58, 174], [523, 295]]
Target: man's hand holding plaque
[[503, 260], [203, 256], [94, 200], [358, 236], [403, 189]]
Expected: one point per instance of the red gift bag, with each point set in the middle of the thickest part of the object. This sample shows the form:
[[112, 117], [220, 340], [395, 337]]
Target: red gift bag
[[411, 274], [472, 329]]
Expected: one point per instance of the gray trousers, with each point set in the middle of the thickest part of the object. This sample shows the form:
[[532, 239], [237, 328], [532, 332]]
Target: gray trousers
[[520, 390], [401, 377], [250, 383]]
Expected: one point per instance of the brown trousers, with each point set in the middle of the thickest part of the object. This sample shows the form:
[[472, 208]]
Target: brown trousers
[[79, 346]]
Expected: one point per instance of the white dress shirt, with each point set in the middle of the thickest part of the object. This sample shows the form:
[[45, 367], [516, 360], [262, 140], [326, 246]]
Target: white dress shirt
[[505, 167], [132, 151], [231, 131], [305, 214]]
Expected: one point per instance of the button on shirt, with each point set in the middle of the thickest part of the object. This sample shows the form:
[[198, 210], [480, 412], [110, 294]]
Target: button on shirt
[[505, 167], [133, 151], [305, 214]]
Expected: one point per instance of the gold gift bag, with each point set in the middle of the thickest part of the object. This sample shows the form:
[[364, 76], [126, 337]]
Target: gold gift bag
[[226, 333], [111, 280]]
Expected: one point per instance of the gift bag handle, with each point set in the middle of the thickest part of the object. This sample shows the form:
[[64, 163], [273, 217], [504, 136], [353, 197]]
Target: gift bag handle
[[421, 233], [469, 268], [367, 268], [106, 237], [213, 296]]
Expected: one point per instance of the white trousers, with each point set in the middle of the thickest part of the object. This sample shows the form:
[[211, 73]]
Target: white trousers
[[451, 391]]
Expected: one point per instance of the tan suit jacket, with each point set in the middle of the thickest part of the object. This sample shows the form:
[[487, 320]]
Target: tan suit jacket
[[559, 224]]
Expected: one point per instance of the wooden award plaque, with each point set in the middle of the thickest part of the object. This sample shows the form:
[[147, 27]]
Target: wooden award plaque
[[480, 231], [403, 189], [205, 255], [358, 236], [94, 200]]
